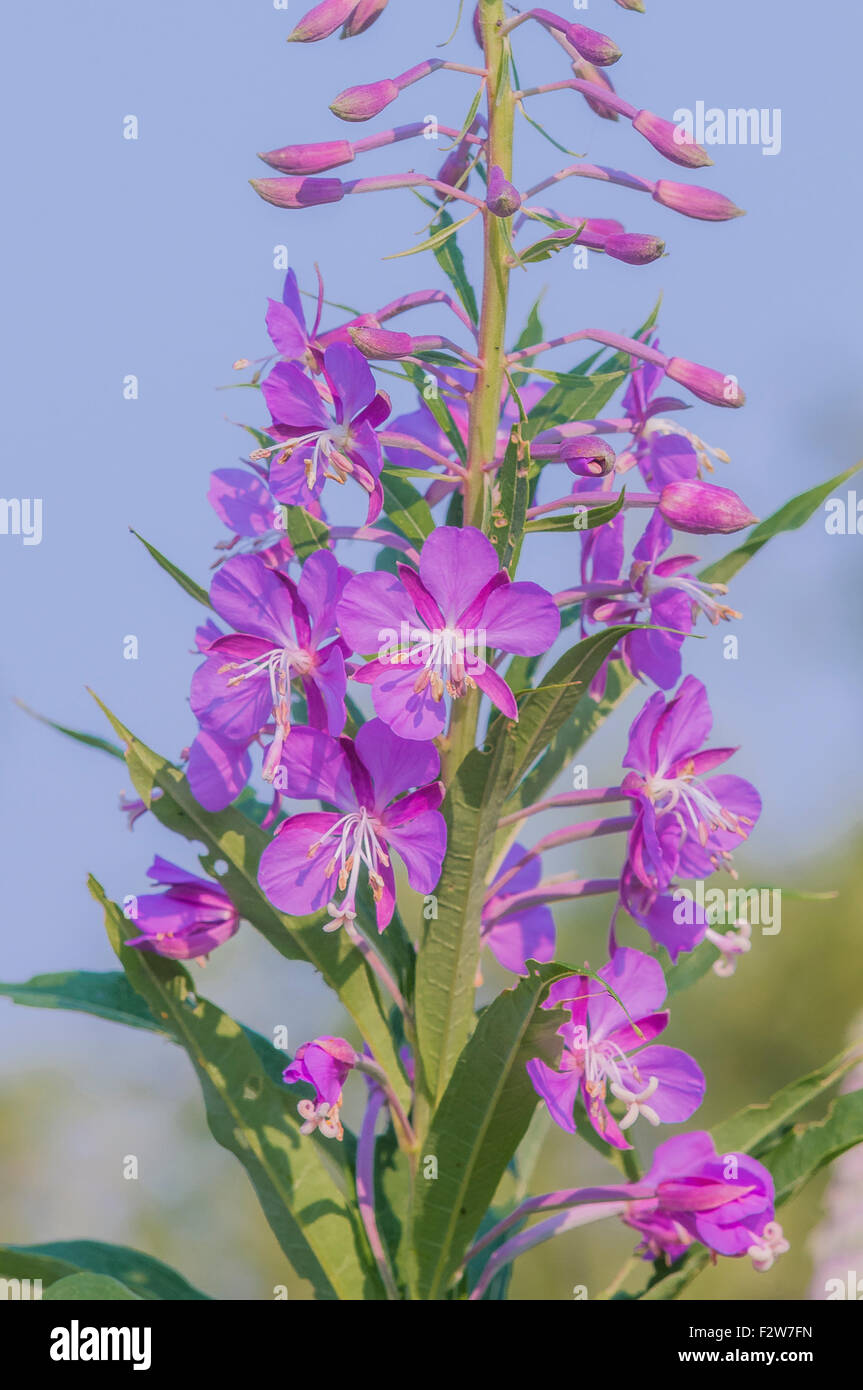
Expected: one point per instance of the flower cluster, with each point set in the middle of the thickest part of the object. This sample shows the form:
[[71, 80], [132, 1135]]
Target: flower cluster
[[366, 692]]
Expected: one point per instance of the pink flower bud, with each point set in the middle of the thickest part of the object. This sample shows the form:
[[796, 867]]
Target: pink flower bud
[[298, 193], [695, 202], [322, 21], [635, 248], [361, 103], [381, 343], [600, 79], [703, 509], [363, 17], [709, 385], [586, 455], [477, 27], [310, 159], [503, 199], [670, 140], [594, 47]]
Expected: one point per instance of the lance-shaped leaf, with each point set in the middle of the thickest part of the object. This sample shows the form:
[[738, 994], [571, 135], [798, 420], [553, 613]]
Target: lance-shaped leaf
[[406, 508], [752, 1129], [305, 532], [574, 397], [580, 519], [189, 585], [104, 994], [89, 1288], [144, 1275], [232, 837], [449, 953], [509, 511], [253, 1116], [91, 740], [448, 255], [791, 517], [440, 411], [479, 1123]]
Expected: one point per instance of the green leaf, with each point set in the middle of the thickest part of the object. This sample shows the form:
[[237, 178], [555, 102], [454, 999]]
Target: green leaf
[[808, 1148], [105, 994], [88, 1288], [305, 532], [791, 517], [407, 509], [449, 257], [587, 519], [548, 246], [146, 1276], [439, 410], [449, 954], [482, 1118], [91, 740], [750, 1129], [435, 241], [230, 836], [176, 574], [543, 712], [510, 511], [252, 1115], [574, 398]]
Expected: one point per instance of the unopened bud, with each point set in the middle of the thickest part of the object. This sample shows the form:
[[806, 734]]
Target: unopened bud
[[364, 15], [695, 202], [298, 193], [635, 248], [703, 509], [503, 198], [705, 383], [381, 343], [322, 21], [594, 47], [362, 103], [310, 159], [670, 140]]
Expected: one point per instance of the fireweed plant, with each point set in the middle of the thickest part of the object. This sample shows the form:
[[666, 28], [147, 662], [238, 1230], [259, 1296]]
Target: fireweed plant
[[393, 849]]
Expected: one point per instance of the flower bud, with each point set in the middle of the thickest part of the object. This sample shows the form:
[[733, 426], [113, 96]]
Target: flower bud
[[637, 5], [635, 248], [322, 21], [310, 159], [695, 202], [455, 166], [381, 343], [599, 78], [361, 103], [503, 198], [703, 509], [594, 47], [298, 193], [709, 385], [477, 26], [671, 140], [364, 15], [586, 455]]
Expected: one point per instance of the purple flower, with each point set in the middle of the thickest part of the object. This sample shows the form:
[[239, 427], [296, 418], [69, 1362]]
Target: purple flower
[[686, 823], [604, 1050], [324, 1064], [431, 629], [322, 445], [516, 931], [316, 854], [723, 1200], [188, 921], [286, 325], [282, 631]]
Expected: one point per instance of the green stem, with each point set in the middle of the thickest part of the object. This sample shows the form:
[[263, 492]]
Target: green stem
[[485, 400]]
